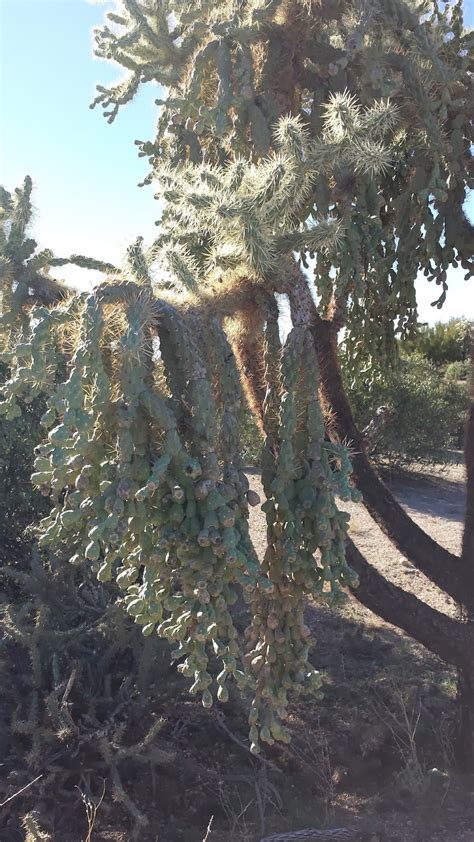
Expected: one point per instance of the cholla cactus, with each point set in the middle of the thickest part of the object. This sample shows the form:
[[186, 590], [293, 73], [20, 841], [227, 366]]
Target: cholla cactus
[[289, 130], [26, 280], [21, 264], [231, 70], [141, 460], [243, 219]]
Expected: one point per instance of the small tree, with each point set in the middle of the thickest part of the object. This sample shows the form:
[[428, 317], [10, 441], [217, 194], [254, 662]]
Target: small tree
[[289, 130], [443, 343]]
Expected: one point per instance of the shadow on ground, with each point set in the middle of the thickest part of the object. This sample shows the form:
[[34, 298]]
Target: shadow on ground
[[431, 494]]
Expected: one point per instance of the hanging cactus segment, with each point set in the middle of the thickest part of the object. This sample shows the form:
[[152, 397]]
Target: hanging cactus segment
[[140, 492], [141, 461], [142, 464], [301, 475]]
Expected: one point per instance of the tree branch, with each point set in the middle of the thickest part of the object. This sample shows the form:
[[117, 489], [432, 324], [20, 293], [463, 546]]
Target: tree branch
[[246, 339], [46, 290], [450, 639]]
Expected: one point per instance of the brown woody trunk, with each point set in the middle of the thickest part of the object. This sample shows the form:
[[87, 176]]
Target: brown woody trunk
[[441, 566], [246, 336], [445, 636]]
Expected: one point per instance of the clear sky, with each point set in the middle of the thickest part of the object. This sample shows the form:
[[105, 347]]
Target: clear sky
[[86, 171]]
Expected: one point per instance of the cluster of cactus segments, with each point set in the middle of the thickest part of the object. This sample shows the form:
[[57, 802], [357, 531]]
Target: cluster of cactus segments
[[141, 462], [336, 135], [245, 216], [306, 532]]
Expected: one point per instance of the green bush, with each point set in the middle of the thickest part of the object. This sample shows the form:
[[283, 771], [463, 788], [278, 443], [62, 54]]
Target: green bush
[[20, 503], [457, 371], [426, 414], [442, 343]]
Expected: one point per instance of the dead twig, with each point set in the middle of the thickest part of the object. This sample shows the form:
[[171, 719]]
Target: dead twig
[[209, 830], [91, 810], [19, 791], [69, 687]]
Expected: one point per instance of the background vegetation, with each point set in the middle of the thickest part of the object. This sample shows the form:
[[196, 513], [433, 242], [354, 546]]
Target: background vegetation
[[425, 394]]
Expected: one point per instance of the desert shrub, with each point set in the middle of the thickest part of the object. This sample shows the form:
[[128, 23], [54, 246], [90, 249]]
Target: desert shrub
[[81, 694], [458, 370], [425, 412], [442, 343], [20, 503]]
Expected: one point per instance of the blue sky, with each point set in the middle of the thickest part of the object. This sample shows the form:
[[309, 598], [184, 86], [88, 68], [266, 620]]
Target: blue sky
[[85, 171]]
